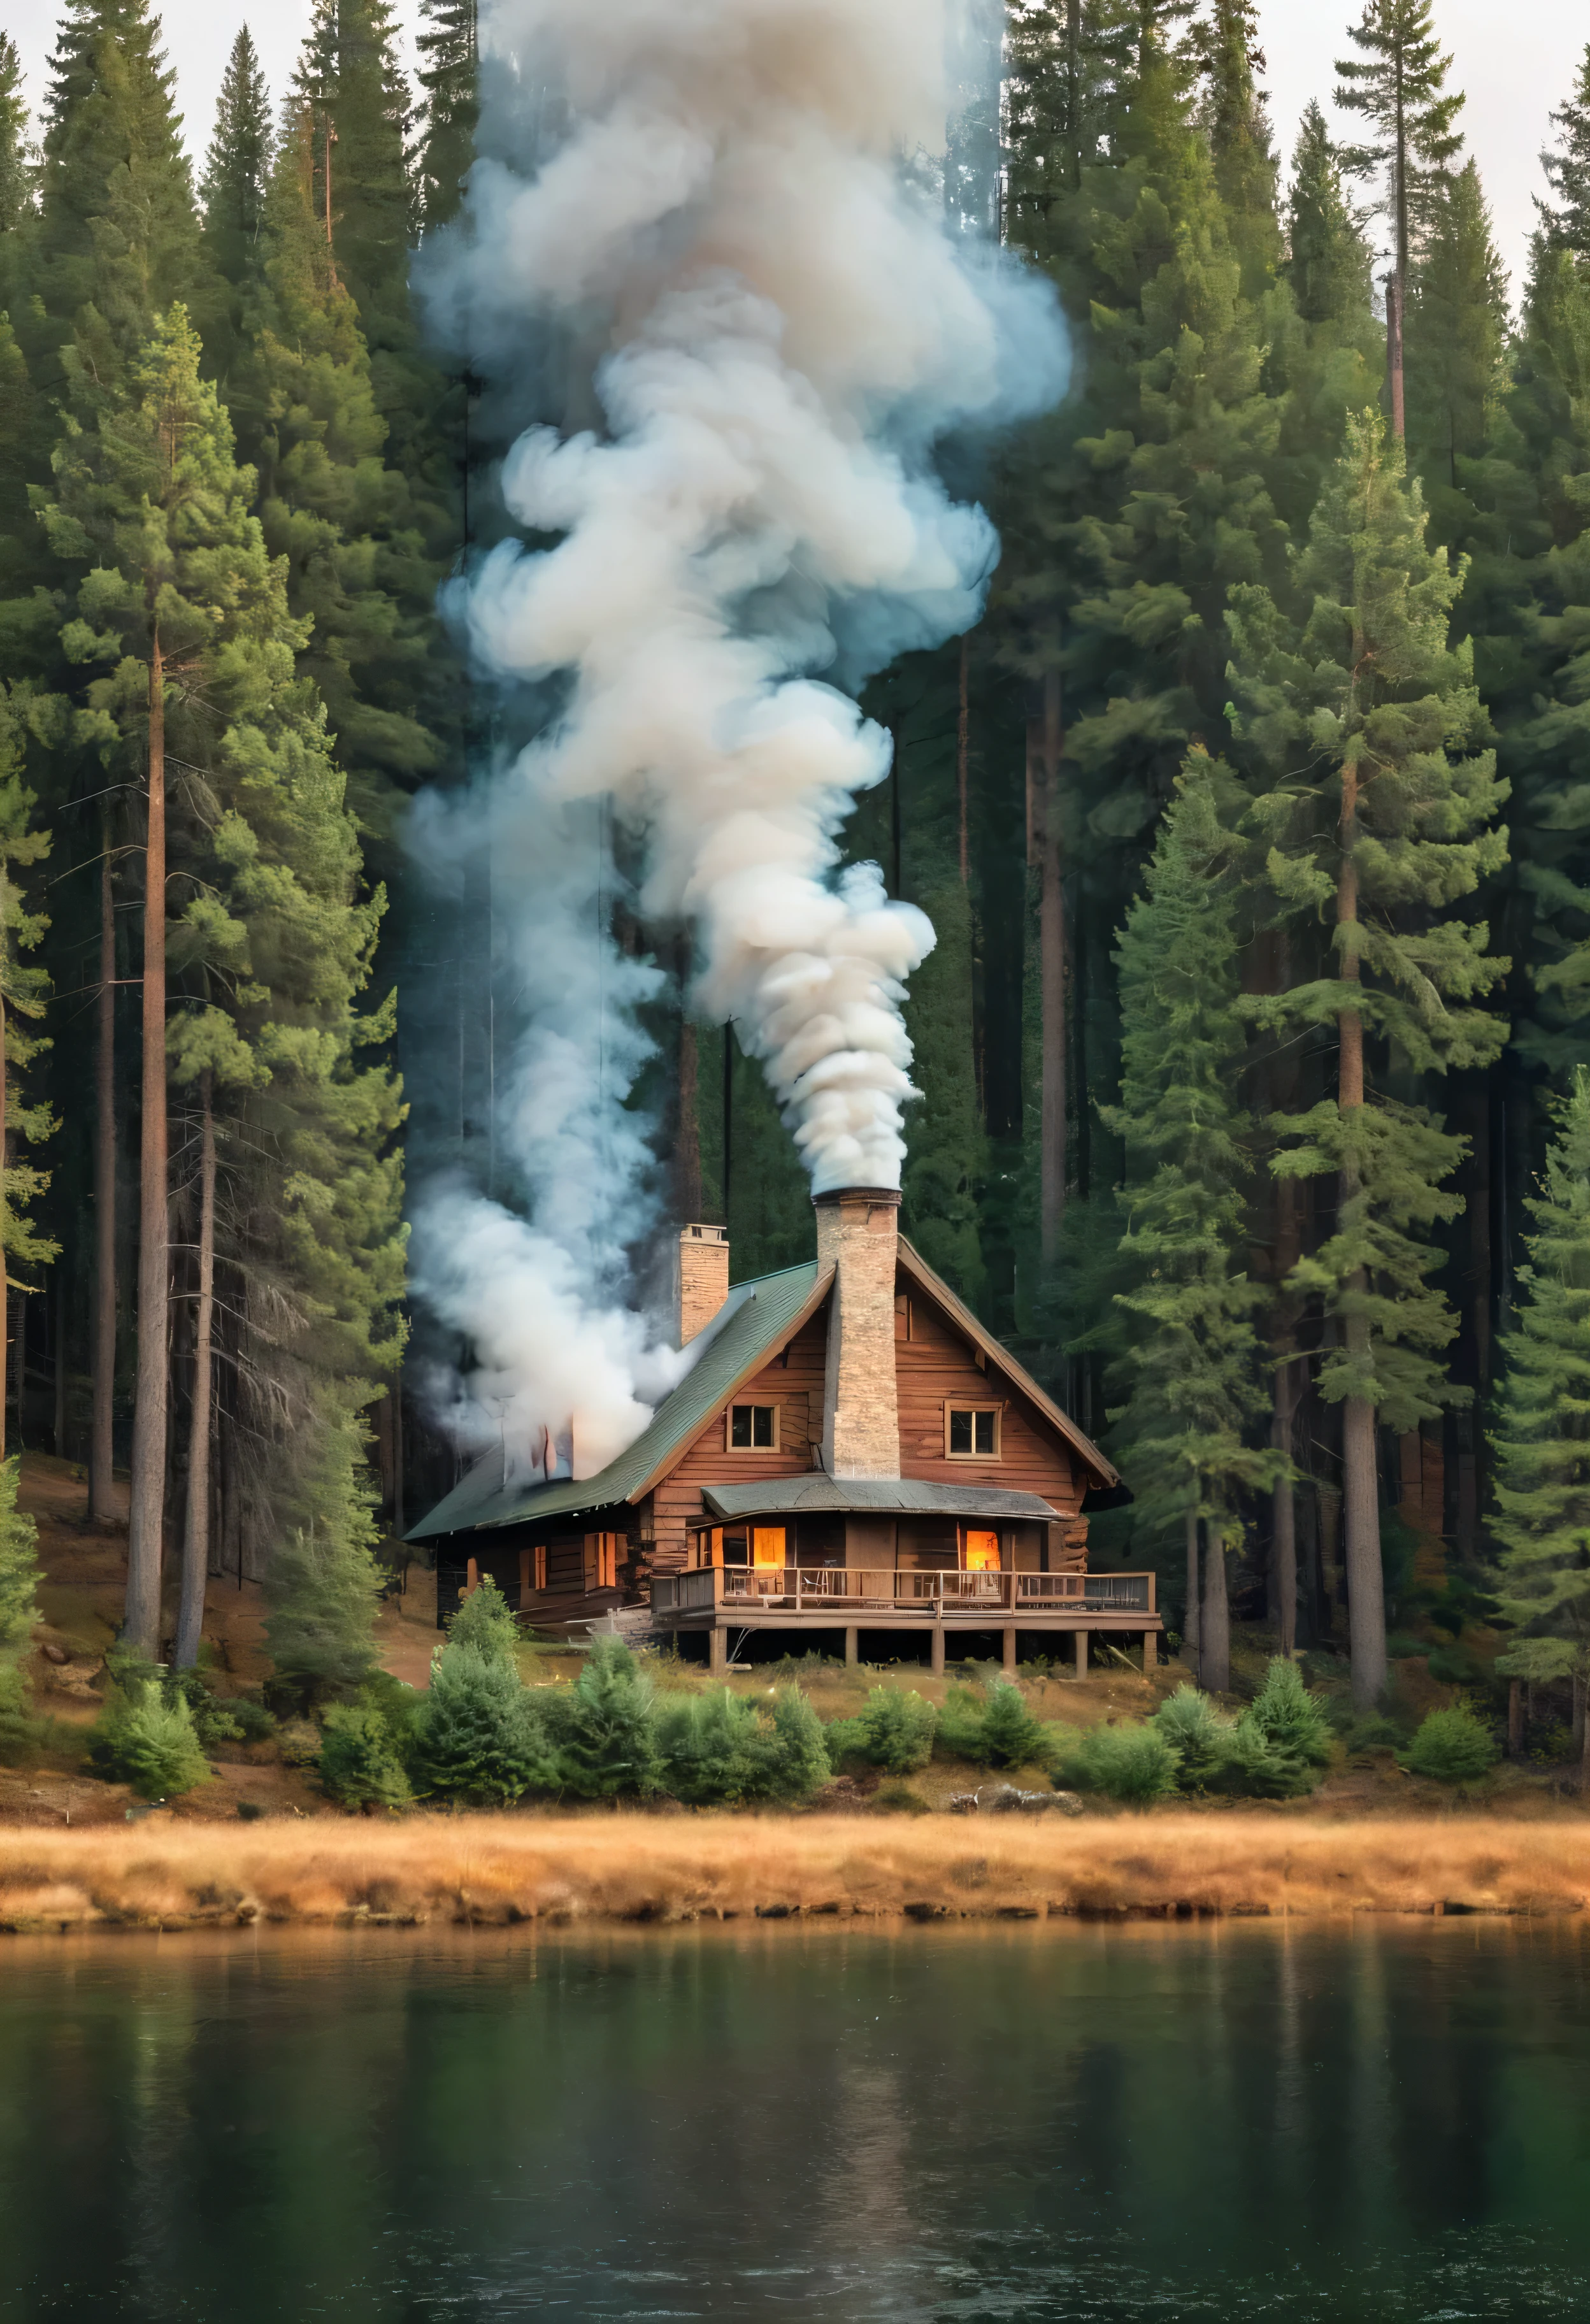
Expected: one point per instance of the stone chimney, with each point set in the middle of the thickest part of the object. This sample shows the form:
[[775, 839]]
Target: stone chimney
[[857, 1230], [701, 1278]]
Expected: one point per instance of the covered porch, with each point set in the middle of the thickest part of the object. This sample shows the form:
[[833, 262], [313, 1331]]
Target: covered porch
[[814, 1554]]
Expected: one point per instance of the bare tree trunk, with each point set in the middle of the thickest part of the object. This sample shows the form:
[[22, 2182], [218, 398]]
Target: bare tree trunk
[[58, 1429], [1051, 1134], [1216, 1617], [1394, 356], [1283, 1548], [1193, 1627], [146, 1529], [1367, 1628], [20, 1362], [103, 1357], [196, 1539], [962, 755]]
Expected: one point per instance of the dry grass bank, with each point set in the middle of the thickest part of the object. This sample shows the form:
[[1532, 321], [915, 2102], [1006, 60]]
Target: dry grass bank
[[486, 1869]]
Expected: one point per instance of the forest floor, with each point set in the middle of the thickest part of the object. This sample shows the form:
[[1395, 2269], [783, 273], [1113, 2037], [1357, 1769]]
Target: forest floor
[[84, 1577]]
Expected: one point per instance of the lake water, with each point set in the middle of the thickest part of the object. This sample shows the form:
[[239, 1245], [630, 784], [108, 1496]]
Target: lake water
[[1390, 2121]]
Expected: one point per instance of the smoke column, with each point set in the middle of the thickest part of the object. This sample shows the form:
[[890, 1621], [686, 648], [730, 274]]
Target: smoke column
[[732, 219]]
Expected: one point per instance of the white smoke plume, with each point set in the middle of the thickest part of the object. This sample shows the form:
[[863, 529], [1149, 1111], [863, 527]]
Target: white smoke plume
[[783, 326]]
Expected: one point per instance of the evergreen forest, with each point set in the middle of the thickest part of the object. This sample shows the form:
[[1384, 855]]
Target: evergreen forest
[[1253, 818]]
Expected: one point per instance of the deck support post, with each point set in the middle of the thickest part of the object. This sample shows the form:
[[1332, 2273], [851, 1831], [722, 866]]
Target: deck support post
[[1009, 1644], [1079, 1644], [717, 1651], [852, 1646], [1150, 1651], [937, 1657]]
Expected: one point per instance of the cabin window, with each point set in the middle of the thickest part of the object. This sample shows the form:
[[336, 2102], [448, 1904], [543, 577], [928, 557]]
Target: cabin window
[[753, 1428], [736, 1548], [538, 1564], [601, 1561], [982, 1552], [766, 1547], [532, 1570], [971, 1432]]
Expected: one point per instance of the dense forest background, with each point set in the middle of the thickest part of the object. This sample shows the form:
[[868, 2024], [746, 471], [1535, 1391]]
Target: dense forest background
[[1253, 819]]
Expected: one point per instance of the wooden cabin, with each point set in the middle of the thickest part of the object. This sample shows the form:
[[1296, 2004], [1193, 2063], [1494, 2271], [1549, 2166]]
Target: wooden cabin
[[851, 1453]]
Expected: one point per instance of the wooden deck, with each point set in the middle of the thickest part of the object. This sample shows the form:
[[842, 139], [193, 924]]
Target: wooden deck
[[719, 1599]]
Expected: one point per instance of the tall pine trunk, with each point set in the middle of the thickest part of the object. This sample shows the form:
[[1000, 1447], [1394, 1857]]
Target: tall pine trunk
[[1283, 1548], [1216, 1636], [101, 1447], [1192, 1621], [5, 1239], [1366, 1629], [1397, 286], [1052, 1131], [146, 1526], [196, 1537], [1394, 355]]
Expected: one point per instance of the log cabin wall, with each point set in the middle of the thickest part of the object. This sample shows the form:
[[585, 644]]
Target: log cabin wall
[[935, 1366], [793, 1383]]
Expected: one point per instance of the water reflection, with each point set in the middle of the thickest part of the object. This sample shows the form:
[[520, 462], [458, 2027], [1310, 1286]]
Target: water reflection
[[1382, 2121]]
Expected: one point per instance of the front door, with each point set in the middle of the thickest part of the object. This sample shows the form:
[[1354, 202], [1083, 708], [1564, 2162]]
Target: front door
[[982, 1552]]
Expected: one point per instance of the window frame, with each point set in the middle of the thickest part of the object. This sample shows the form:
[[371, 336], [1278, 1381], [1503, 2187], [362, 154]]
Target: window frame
[[753, 1405], [975, 1406]]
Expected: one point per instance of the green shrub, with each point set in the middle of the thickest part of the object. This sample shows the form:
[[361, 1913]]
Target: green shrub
[[799, 1757], [1199, 1735], [993, 1729], [254, 1722], [144, 1740], [1457, 1666], [1135, 1764], [19, 1732], [359, 1764], [477, 1734], [707, 1748], [1282, 1739], [607, 1746], [1453, 1746], [484, 1623], [894, 1730]]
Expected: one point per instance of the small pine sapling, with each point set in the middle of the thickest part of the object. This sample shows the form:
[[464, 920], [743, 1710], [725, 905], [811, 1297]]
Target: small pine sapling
[[797, 1759], [1453, 1746], [484, 1622], [1133, 1764], [608, 1749], [478, 1734], [996, 1730], [148, 1741], [895, 1730], [1283, 1736], [1199, 1735], [359, 1764], [706, 1746]]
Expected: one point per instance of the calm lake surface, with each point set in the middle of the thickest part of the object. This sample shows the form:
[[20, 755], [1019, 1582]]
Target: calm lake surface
[[1391, 2121]]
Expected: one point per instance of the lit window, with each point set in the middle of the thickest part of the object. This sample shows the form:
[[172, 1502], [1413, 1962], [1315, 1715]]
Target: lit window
[[982, 1552], [972, 1431], [766, 1547], [753, 1427]]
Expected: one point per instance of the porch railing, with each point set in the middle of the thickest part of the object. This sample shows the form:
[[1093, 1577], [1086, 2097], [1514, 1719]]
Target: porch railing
[[828, 1589]]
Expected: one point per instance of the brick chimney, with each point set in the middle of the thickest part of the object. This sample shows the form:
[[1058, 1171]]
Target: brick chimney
[[857, 1230], [701, 1278]]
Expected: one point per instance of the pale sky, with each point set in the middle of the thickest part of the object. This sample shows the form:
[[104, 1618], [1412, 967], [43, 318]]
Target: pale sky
[[1515, 57]]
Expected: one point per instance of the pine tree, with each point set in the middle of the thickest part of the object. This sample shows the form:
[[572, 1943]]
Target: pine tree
[[1329, 352], [1566, 221], [1399, 84], [237, 175], [16, 190], [450, 47], [1235, 120], [1541, 1438], [24, 715], [271, 950], [117, 236], [1365, 718], [334, 507], [1190, 1356], [1457, 332]]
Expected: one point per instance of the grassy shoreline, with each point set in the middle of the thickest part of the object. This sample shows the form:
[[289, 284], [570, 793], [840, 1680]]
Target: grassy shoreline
[[557, 1871]]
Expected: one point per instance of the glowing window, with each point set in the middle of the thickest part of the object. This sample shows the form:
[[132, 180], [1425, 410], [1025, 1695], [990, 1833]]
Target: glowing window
[[982, 1552], [766, 1547]]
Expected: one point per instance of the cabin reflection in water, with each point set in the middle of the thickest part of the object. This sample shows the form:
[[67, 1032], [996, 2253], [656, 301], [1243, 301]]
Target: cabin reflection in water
[[850, 1455]]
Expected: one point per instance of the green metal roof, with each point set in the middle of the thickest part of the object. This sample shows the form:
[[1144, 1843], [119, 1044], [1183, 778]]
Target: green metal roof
[[754, 1322], [813, 1494]]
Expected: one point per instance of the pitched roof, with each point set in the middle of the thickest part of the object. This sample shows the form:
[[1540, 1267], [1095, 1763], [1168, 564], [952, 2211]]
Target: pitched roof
[[938, 1290], [755, 1321], [814, 1492]]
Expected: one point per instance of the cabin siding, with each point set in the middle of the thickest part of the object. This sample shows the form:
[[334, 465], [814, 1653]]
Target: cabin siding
[[935, 1366], [793, 1383]]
